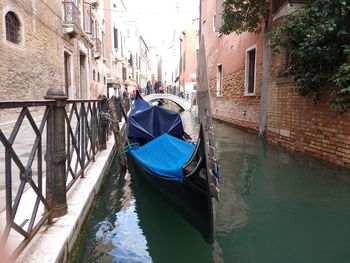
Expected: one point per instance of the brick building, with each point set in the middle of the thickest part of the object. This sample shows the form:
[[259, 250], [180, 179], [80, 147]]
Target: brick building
[[255, 96], [85, 71], [188, 60], [51, 43], [297, 122], [31, 48], [234, 69]]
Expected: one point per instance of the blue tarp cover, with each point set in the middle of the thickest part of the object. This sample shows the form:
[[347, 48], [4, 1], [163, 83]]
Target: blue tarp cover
[[153, 121], [164, 156], [140, 104]]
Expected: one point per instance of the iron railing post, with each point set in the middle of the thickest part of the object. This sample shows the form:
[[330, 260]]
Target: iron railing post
[[56, 154], [103, 124]]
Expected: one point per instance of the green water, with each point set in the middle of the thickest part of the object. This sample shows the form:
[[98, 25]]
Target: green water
[[276, 206]]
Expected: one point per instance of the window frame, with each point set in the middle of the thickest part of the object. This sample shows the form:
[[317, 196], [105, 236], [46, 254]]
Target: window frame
[[219, 73], [20, 38], [214, 22], [247, 72]]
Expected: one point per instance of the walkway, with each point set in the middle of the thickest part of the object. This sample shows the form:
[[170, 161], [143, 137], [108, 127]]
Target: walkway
[[52, 243]]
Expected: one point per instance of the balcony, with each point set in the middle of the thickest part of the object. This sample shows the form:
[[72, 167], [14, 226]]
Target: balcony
[[71, 18], [97, 51]]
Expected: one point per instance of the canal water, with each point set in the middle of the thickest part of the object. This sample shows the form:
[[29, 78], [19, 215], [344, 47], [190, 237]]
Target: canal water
[[276, 206]]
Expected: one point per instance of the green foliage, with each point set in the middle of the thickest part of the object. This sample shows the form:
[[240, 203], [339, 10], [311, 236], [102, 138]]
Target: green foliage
[[244, 16], [318, 39]]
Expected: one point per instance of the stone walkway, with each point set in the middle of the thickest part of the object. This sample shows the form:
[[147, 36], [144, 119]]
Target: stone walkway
[[53, 242], [22, 146]]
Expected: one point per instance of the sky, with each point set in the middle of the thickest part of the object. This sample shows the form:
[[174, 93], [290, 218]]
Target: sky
[[157, 19]]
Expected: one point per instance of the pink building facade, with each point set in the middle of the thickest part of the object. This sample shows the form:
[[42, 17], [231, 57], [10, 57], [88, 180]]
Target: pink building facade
[[188, 59], [234, 70], [248, 90]]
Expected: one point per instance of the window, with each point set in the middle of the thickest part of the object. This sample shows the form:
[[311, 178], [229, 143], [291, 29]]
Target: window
[[94, 75], [250, 72], [124, 73], [98, 77], [214, 22], [104, 80], [121, 44], [115, 37], [67, 73], [93, 28], [88, 24], [219, 81], [131, 60], [12, 28], [218, 20]]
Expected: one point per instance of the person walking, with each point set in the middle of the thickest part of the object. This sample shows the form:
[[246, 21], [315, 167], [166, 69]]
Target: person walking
[[148, 88], [156, 86]]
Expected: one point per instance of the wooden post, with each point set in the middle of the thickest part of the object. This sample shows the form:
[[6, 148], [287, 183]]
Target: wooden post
[[103, 124], [116, 130]]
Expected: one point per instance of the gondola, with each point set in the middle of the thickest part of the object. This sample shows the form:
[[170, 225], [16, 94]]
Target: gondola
[[175, 166]]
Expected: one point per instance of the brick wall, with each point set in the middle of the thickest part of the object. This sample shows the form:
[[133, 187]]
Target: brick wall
[[29, 69], [233, 106], [297, 123]]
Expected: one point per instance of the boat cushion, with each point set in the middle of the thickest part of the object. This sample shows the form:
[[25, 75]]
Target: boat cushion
[[164, 156]]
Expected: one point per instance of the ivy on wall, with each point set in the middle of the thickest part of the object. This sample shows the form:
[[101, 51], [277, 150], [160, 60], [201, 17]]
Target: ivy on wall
[[318, 39], [244, 16]]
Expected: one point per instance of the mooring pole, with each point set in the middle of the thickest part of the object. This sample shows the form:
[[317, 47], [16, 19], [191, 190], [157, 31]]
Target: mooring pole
[[103, 125], [56, 154], [116, 130]]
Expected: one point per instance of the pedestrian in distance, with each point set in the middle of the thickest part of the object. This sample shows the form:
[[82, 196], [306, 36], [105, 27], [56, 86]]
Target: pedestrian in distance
[[148, 87]]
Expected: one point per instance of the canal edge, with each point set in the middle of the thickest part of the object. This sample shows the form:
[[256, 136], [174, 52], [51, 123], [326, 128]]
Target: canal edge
[[53, 243]]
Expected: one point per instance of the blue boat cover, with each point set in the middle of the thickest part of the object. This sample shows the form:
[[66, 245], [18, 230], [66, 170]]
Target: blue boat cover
[[164, 156], [139, 104], [149, 122]]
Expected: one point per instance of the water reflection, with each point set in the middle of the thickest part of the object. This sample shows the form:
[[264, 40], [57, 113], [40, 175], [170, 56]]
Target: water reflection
[[125, 238], [278, 206]]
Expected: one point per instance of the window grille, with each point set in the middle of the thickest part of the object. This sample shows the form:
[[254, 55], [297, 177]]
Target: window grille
[[12, 28]]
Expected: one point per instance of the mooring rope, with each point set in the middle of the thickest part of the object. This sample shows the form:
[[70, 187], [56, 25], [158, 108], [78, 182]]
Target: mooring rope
[[127, 148]]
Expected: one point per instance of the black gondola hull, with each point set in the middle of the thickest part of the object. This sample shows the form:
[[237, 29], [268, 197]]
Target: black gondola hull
[[194, 204]]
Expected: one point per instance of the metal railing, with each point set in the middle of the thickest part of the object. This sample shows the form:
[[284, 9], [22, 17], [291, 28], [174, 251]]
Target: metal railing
[[71, 14], [67, 136]]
